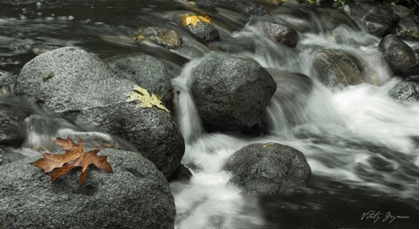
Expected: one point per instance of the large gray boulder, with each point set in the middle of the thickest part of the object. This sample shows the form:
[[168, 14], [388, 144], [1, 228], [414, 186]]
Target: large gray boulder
[[334, 67], [84, 87], [399, 56], [147, 71], [377, 17], [269, 169], [135, 195], [231, 94], [406, 91]]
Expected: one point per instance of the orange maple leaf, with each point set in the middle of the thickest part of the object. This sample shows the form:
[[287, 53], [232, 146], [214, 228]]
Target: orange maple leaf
[[56, 165]]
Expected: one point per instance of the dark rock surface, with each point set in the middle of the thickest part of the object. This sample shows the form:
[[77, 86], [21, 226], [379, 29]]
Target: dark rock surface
[[408, 28], [334, 67], [182, 173], [269, 169], [205, 31], [231, 94], [86, 88], [401, 11], [377, 17], [135, 195], [399, 55], [147, 71], [281, 33], [406, 91]]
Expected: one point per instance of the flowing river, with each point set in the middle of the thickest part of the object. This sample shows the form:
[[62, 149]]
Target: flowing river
[[361, 145]]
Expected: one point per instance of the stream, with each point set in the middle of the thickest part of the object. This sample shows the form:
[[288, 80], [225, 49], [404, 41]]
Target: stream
[[362, 146]]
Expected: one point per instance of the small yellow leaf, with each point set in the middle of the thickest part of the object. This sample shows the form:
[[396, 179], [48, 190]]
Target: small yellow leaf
[[138, 37], [193, 20], [268, 144], [145, 99]]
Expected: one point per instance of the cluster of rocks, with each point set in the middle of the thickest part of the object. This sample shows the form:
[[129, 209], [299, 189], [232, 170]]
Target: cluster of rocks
[[147, 145]]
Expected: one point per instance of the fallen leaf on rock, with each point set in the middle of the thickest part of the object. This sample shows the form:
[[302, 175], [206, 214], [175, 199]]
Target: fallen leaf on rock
[[56, 165], [268, 144], [145, 98], [193, 19]]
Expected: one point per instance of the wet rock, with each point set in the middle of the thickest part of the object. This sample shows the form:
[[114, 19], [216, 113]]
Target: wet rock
[[405, 91], [230, 93], [377, 17], [233, 45], [281, 33], [85, 88], [205, 31], [408, 28], [3, 160], [269, 169], [164, 37], [147, 71], [399, 55], [401, 11], [334, 67], [182, 173], [135, 195]]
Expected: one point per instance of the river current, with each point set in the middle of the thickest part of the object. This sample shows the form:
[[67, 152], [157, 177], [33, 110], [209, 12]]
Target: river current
[[361, 145]]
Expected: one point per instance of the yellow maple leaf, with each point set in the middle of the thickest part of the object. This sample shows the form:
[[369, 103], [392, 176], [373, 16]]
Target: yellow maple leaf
[[145, 99], [193, 19], [268, 144], [138, 37]]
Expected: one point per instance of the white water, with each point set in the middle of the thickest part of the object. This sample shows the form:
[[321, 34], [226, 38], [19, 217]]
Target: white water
[[356, 134]]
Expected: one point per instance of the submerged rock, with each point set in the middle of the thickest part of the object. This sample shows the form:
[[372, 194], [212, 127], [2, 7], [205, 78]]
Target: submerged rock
[[135, 195], [281, 33], [84, 87], [147, 71], [334, 67], [377, 17], [399, 55], [231, 94], [164, 37], [269, 168], [406, 91]]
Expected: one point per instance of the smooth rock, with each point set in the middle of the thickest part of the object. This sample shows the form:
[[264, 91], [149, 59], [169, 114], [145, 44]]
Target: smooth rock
[[205, 31], [281, 33], [84, 87], [377, 17], [269, 168], [399, 55], [231, 94], [135, 195], [334, 67]]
